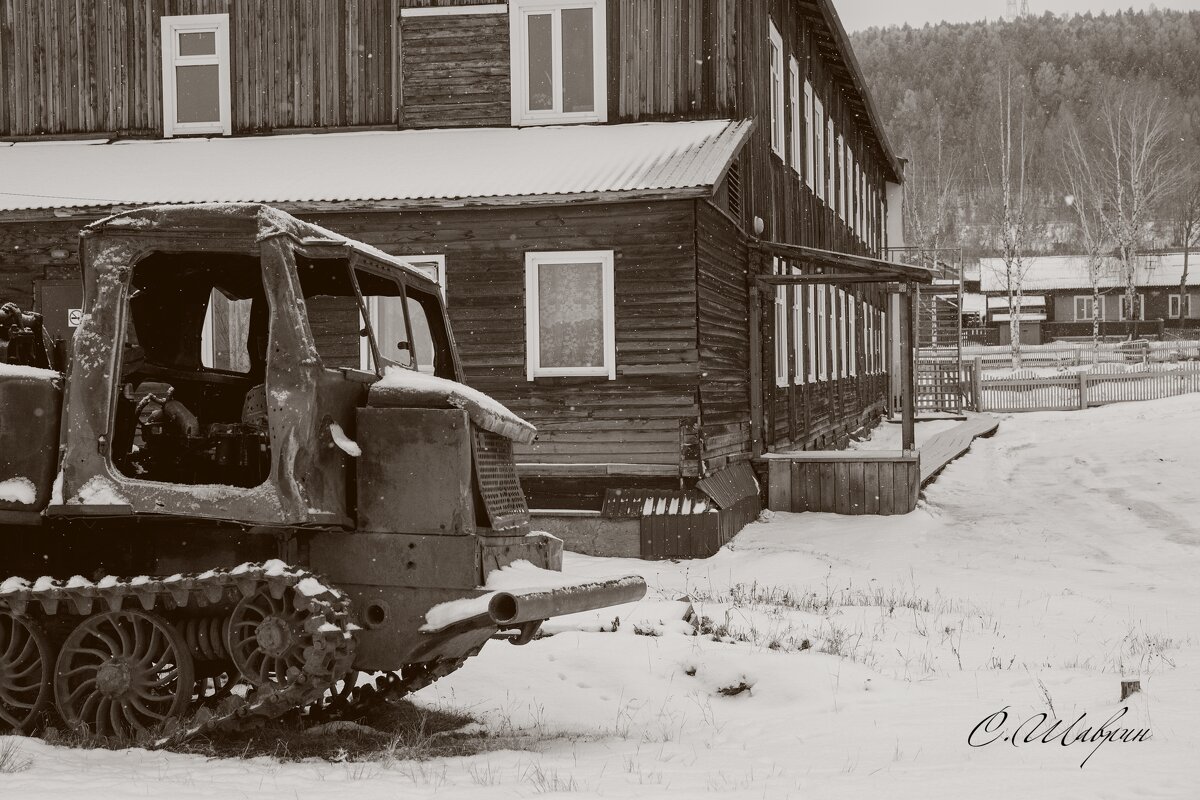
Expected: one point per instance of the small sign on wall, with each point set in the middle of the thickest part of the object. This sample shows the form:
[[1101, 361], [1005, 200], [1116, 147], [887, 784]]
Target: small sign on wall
[[74, 317]]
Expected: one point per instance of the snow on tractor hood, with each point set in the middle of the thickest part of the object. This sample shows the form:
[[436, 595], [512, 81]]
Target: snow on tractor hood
[[401, 387]]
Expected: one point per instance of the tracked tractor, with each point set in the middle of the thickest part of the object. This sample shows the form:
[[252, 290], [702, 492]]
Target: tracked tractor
[[258, 468]]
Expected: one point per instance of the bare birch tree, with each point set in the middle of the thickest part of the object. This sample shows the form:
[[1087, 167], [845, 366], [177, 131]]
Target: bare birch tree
[[1014, 201], [1185, 219], [931, 189], [1083, 196], [1133, 158]]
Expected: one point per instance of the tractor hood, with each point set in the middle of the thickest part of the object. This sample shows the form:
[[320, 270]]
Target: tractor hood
[[406, 388]]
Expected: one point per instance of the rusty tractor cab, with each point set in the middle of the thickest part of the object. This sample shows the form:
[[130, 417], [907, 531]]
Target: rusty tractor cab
[[255, 405]]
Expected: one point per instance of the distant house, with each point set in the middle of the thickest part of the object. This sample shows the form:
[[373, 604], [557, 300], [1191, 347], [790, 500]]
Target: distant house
[[599, 186], [1058, 296]]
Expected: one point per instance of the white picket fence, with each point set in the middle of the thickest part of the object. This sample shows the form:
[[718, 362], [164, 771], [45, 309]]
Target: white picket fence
[[1083, 390]]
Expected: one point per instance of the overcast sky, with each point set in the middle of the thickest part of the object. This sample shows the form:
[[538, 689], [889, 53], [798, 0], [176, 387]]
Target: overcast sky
[[859, 14]]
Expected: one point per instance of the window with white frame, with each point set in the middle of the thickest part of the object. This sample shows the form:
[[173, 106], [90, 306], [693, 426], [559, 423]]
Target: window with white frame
[[798, 330], [569, 314], [831, 170], [809, 135], [853, 338], [858, 200], [433, 267], [1139, 305], [843, 334], [850, 184], [881, 335], [559, 61], [224, 333], [819, 146], [195, 74], [781, 331], [777, 118], [811, 306], [1173, 304], [794, 94], [841, 176], [822, 335], [1085, 310], [869, 338]]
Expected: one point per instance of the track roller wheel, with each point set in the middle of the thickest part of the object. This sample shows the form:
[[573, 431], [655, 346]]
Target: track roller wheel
[[123, 673], [268, 636], [26, 673]]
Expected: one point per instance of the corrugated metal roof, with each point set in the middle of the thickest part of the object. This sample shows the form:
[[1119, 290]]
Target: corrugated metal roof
[[1050, 273], [417, 166]]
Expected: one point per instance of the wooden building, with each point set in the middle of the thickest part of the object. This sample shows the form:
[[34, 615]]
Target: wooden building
[[629, 204], [1063, 305]]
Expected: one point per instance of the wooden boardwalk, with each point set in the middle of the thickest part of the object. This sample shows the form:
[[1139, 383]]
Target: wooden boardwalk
[[946, 446]]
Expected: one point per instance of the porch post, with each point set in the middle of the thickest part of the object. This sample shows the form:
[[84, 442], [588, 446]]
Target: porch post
[[907, 357]]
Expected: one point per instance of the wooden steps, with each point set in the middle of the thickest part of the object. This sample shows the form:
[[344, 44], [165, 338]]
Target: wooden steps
[[946, 446]]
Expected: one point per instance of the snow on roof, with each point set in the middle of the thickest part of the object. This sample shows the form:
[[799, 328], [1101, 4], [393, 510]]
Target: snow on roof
[[1049, 273], [415, 166], [973, 304]]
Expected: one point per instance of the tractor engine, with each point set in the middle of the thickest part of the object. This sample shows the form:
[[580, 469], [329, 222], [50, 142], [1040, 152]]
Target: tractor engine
[[171, 444]]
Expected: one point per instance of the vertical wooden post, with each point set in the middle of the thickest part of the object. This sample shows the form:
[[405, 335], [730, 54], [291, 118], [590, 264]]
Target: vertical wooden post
[[907, 358], [756, 376], [977, 383], [1083, 387]]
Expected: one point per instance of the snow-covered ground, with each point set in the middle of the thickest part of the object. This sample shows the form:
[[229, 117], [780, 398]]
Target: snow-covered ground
[[1054, 559]]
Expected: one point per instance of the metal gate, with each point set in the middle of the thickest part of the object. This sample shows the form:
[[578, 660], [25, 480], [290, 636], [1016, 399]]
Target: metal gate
[[939, 379]]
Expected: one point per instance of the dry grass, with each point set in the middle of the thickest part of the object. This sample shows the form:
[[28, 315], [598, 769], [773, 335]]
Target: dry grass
[[12, 759], [396, 731]]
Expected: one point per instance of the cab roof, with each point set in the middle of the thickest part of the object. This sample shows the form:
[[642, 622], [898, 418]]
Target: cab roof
[[249, 222]]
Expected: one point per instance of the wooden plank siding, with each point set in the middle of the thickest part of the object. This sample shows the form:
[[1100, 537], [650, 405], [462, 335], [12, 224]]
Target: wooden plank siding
[[722, 314], [80, 66], [672, 59], [648, 415], [680, 405], [455, 71], [807, 415]]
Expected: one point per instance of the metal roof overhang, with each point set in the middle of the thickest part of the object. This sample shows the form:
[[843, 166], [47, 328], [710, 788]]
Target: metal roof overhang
[[838, 267], [450, 168]]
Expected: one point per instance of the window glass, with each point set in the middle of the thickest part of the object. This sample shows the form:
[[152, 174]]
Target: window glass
[[1083, 308], [781, 329], [810, 291], [571, 315], [578, 60], [777, 123], [822, 335], [199, 43], [198, 93], [798, 330], [810, 138], [819, 130], [541, 62]]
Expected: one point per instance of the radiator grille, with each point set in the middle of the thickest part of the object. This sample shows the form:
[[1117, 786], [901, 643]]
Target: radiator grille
[[496, 476]]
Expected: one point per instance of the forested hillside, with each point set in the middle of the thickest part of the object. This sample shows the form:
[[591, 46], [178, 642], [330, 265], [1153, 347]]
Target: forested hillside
[[939, 91]]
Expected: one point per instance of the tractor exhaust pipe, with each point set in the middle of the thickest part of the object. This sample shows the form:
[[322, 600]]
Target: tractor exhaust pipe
[[507, 609]]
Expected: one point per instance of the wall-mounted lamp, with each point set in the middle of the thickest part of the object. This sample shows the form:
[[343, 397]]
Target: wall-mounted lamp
[[759, 226]]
